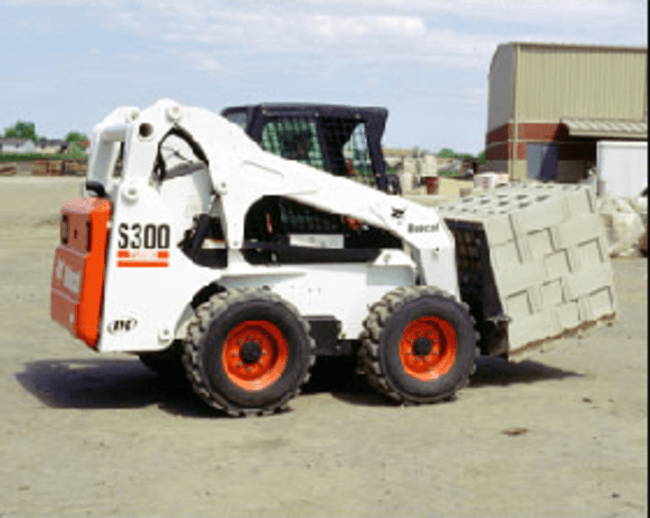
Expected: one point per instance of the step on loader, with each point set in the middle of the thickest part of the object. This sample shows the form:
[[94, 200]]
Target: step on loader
[[241, 248]]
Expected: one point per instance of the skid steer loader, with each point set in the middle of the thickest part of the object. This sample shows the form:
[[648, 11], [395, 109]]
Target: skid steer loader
[[194, 246]]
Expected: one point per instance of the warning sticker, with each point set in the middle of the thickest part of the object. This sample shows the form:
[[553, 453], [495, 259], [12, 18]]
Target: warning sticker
[[142, 258]]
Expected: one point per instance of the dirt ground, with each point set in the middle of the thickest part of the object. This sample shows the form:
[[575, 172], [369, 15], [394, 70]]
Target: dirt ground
[[564, 433]]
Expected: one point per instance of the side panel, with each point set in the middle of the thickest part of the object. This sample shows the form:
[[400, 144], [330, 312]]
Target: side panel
[[149, 280], [78, 273]]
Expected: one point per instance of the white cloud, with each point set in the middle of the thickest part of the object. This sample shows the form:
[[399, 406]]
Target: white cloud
[[450, 33], [444, 31], [363, 37], [541, 11], [339, 28]]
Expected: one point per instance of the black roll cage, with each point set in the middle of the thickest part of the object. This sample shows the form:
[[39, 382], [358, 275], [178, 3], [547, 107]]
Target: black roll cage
[[256, 117]]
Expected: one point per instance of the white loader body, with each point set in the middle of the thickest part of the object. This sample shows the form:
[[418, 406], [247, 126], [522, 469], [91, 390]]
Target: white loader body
[[149, 282]]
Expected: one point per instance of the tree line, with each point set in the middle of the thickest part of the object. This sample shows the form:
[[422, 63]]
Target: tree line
[[446, 152], [27, 129], [450, 153]]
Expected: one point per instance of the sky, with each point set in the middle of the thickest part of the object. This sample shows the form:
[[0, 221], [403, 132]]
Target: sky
[[68, 63]]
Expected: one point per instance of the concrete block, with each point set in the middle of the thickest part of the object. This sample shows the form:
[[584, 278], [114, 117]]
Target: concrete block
[[540, 215], [580, 200], [591, 252], [552, 293], [519, 305], [556, 237], [505, 256], [498, 229], [536, 297], [532, 328], [557, 265], [568, 315], [574, 263], [588, 279], [602, 301], [547, 253], [521, 237], [541, 242], [584, 310], [578, 229], [520, 276]]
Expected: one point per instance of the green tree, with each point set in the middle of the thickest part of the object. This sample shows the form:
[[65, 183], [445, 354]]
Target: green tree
[[445, 152], [23, 129], [75, 136], [481, 158], [75, 151]]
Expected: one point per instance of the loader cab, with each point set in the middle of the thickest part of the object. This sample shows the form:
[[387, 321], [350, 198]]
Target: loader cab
[[342, 140]]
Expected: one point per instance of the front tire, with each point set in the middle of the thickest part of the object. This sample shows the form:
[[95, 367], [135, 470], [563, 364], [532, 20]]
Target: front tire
[[248, 352], [419, 345]]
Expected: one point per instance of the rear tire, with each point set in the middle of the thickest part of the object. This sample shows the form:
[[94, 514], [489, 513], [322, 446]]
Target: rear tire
[[248, 352], [419, 345]]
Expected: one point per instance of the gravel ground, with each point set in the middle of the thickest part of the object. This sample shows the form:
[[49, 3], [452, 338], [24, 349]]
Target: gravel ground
[[564, 433]]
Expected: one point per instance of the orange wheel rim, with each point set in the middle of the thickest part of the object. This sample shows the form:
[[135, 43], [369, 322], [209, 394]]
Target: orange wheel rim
[[255, 354], [427, 348]]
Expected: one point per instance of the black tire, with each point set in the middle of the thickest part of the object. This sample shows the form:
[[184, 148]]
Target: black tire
[[413, 367], [166, 363], [262, 332]]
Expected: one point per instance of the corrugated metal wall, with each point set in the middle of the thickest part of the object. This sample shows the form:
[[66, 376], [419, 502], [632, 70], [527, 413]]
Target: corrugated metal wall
[[501, 87], [589, 82]]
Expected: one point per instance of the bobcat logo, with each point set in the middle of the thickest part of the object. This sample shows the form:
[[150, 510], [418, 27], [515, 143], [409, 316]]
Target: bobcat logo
[[122, 326], [397, 213]]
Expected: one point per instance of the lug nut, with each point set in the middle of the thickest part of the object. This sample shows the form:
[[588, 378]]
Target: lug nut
[[240, 364]]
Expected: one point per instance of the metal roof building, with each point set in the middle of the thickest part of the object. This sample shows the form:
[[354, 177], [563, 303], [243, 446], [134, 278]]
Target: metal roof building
[[548, 105]]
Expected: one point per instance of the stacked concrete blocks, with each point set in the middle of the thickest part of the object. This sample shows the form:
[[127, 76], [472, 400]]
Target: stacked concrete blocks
[[548, 255]]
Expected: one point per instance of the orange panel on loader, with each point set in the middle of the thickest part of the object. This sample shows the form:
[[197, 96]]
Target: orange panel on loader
[[79, 262]]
